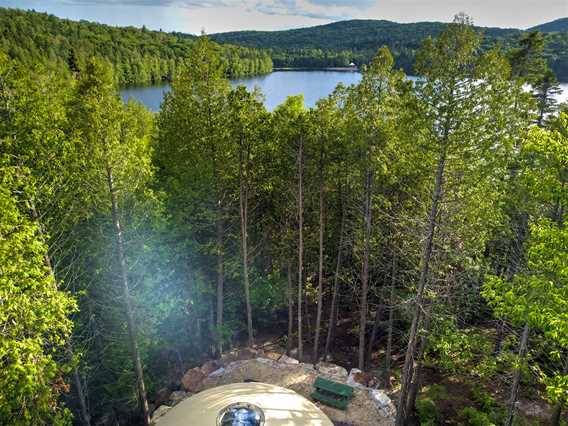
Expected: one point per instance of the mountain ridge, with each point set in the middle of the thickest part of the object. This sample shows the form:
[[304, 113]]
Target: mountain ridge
[[558, 25], [337, 44]]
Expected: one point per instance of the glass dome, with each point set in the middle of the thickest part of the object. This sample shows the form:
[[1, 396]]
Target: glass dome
[[241, 414]]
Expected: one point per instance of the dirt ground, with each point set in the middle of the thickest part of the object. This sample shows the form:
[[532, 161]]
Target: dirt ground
[[362, 410]]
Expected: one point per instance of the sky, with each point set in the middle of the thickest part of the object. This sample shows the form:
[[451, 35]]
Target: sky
[[212, 16]]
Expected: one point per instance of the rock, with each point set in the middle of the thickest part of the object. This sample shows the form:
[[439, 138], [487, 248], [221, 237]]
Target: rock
[[233, 365], [176, 397], [358, 378], [162, 397], [160, 411], [309, 367], [210, 366], [267, 361], [217, 373], [192, 380], [228, 357], [383, 402], [533, 408], [354, 378], [247, 353], [285, 359], [274, 356], [332, 370]]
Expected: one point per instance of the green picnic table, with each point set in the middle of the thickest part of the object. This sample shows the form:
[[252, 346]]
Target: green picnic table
[[332, 393]]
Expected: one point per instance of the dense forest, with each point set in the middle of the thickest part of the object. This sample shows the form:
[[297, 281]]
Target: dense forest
[[415, 230], [558, 25], [138, 56], [339, 43]]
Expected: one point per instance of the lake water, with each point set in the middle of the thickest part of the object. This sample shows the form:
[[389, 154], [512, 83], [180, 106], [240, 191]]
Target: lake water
[[276, 87]]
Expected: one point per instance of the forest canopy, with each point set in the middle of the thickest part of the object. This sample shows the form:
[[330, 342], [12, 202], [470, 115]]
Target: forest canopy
[[138, 56]]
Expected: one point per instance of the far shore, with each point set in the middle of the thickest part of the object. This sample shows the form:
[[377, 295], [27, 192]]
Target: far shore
[[342, 69]]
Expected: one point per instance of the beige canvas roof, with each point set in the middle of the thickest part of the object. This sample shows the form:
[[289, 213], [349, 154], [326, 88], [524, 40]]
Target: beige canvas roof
[[281, 406]]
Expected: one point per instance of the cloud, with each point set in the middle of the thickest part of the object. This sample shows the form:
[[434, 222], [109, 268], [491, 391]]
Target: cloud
[[301, 8], [328, 10], [155, 3], [353, 4]]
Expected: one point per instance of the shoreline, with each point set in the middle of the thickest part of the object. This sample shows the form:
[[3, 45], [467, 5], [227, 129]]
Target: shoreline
[[340, 69]]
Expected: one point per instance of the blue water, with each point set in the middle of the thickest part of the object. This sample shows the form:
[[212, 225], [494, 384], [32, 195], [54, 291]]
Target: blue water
[[276, 87]]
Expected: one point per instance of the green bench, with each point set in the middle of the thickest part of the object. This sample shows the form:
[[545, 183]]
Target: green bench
[[331, 393]]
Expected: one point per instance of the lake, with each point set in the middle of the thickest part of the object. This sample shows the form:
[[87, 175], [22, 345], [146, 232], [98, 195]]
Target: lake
[[276, 87]]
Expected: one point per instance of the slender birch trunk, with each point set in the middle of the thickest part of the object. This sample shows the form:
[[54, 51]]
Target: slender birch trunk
[[388, 353], [243, 208], [300, 243], [320, 265], [335, 296], [220, 268], [290, 308], [131, 323], [365, 268]]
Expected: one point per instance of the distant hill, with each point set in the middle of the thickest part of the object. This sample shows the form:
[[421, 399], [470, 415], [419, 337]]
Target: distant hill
[[354, 34], [139, 56], [559, 25], [339, 43]]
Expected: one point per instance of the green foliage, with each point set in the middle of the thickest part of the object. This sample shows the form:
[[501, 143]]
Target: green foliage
[[472, 417], [138, 56], [34, 317], [427, 412]]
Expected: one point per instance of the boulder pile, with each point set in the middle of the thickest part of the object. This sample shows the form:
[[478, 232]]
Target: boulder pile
[[369, 406]]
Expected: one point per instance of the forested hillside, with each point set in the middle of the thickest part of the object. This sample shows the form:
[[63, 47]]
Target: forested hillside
[[559, 25], [138, 56], [416, 231], [339, 43]]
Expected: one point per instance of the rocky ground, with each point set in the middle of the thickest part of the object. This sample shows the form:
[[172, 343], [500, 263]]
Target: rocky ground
[[369, 406]]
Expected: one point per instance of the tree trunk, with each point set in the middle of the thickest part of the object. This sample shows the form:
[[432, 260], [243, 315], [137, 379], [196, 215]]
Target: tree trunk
[[300, 244], [388, 354], [334, 297], [307, 315], [290, 309], [424, 270], [416, 384], [500, 337], [243, 208], [365, 268], [523, 347], [556, 413], [374, 332], [320, 265], [85, 415], [220, 269], [127, 302]]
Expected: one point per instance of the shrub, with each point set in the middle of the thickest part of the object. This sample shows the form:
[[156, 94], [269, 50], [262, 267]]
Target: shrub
[[427, 411], [472, 417]]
